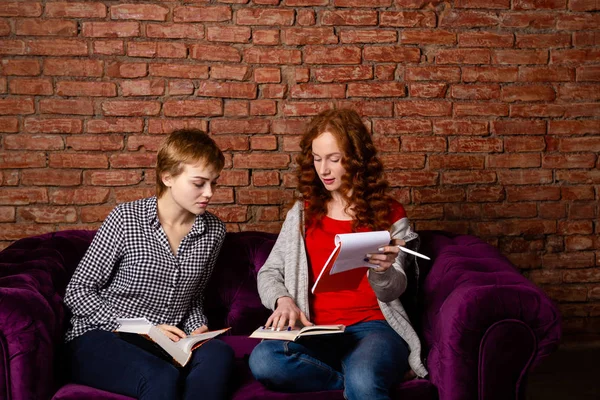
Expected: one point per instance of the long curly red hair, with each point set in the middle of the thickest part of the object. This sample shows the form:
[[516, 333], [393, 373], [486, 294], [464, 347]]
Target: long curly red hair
[[362, 184]]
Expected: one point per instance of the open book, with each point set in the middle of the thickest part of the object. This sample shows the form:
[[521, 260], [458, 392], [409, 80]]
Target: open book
[[180, 352], [293, 334], [346, 266]]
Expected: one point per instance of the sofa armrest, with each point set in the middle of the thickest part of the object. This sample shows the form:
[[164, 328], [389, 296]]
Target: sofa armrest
[[33, 275], [484, 324]]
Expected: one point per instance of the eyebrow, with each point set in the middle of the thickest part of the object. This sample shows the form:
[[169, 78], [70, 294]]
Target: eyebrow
[[328, 155], [205, 178]]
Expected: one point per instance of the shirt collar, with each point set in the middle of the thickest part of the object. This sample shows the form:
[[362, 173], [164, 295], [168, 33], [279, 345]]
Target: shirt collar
[[152, 213]]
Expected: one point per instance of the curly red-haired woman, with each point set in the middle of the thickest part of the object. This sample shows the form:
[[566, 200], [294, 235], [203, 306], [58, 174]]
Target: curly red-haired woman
[[340, 180]]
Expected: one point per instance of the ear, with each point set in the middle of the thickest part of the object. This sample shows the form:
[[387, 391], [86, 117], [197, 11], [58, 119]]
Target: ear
[[166, 179]]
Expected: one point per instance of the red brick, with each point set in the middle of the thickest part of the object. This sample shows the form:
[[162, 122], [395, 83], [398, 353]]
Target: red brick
[[423, 144], [392, 54], [95, 213], [20, 9], [421, 196], [48, 214], [513, 227], [130, 194], [402, 161], [463, 56], [332, 55], [412, 178], [524, 144], [267, 75], [475, 145], [494, 4], [578, 91], [580, 127], [588, 73], [23, 196], [110, 29], [538, 193], [433, 73], [349, 17], [31, 86], [143, 12], [563, 161], [76, 160], [428, 36], [130, 108], [320, 91], [59, 106], [33, 142], [525, 177], [230, 34], [546, 74], [265, 37], [460, 127], [368, 36], [475, 91], [133, 160], [232, 142], [16, 47], [157, 49], [265, 178], [53, 125], [20, 67], [304, 108], [467, 177], [583, 5], [580, 144], [577, 193], [202, 14], [343, 74], [255, 55], [72, 88], [263, 143], [528, 93], [114, 125], [582, 210], [139, 142], [49, 177], [192, 108], [230, 72], [486, 194], [7, 214], [179, 71], [127, 70], [236, 108], [577, 22], [423, 108], [95, 142], [288, 126], [574, 56], [175, 31], [305, 17], [264, 16], [304, 36], [467, 19], [361, 3], [9, 125], [481, 109], [519, 56], [36, 27], [305, 3], [518, 127], [514, 161], [112, 178], [401, 126], [164, 125], [456, 161], [261, 160], [181, 87], [18, 231], [490, 74], [407, 19], [75, 10], [73, 67], [231, 213], [19, 106], [221, 126], [548, 40], [227, 90], [263, 107], [263, 196], [109, 47], [387, 72], [143, 87]]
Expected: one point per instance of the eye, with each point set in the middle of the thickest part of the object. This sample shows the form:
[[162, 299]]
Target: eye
[[317, 159], [335, 160]]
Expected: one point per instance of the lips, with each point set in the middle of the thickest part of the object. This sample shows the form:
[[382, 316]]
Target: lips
[[328, 181]]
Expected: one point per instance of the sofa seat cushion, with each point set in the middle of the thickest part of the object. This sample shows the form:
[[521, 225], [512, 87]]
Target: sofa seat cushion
[[73, 391]]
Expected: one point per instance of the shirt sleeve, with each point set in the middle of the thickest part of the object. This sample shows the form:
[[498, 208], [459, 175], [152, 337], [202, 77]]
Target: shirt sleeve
[[195, 317], [94, 272]]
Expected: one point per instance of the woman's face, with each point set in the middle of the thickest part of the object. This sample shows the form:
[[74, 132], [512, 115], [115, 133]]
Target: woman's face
[[328, 161], [193, 188]]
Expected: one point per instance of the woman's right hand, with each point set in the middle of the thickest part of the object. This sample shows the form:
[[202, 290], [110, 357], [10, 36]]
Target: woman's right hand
[[286, 314], [173, 332]]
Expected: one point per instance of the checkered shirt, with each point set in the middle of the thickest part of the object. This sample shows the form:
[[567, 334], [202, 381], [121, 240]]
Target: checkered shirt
[[129, 271]]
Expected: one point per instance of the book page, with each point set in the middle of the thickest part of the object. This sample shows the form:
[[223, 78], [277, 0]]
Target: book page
[[187, 343], [355, 246], [321, 329]]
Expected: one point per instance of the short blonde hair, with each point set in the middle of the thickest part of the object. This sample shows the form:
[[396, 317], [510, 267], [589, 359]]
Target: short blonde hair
[[185, 146]]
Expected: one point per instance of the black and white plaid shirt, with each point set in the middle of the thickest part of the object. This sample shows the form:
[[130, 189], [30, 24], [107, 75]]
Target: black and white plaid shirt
[[129, 271]]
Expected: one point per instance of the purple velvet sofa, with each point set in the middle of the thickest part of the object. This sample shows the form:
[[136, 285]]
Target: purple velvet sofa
[[483, 325]]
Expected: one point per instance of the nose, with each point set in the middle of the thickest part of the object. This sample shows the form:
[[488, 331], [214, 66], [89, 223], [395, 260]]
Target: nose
[[323, 168], [208, 191]]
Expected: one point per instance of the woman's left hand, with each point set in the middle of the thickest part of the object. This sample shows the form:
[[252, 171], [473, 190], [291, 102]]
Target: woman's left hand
[[386, 258], [202, 329]]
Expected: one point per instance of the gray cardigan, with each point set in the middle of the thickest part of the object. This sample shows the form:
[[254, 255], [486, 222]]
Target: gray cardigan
[[285, 273]]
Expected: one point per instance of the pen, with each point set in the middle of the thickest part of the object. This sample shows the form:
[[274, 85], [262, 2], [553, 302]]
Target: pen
[[414, 253], [404, 249]]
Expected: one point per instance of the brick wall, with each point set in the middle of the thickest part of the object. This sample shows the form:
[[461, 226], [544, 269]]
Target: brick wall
[[486, 113]]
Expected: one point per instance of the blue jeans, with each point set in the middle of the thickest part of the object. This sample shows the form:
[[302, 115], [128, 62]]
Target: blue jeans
[[365, 361], [103, 360]]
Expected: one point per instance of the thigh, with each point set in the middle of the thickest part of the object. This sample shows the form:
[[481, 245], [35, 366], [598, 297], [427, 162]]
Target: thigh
[[102, 360], [376, 344], [209, 371]]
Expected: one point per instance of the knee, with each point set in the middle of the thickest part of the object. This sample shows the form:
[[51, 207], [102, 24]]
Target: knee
[[363, 385], [219, 354], [161, 377], [262, 361]]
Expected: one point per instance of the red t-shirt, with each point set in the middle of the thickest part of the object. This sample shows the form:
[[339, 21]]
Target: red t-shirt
[[346, 306]]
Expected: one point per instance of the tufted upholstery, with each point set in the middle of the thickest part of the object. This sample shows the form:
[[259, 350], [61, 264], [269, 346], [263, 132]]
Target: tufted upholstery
[[483, 325]]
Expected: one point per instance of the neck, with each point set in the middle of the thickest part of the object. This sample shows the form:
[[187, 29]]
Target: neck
[[169, 213]]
